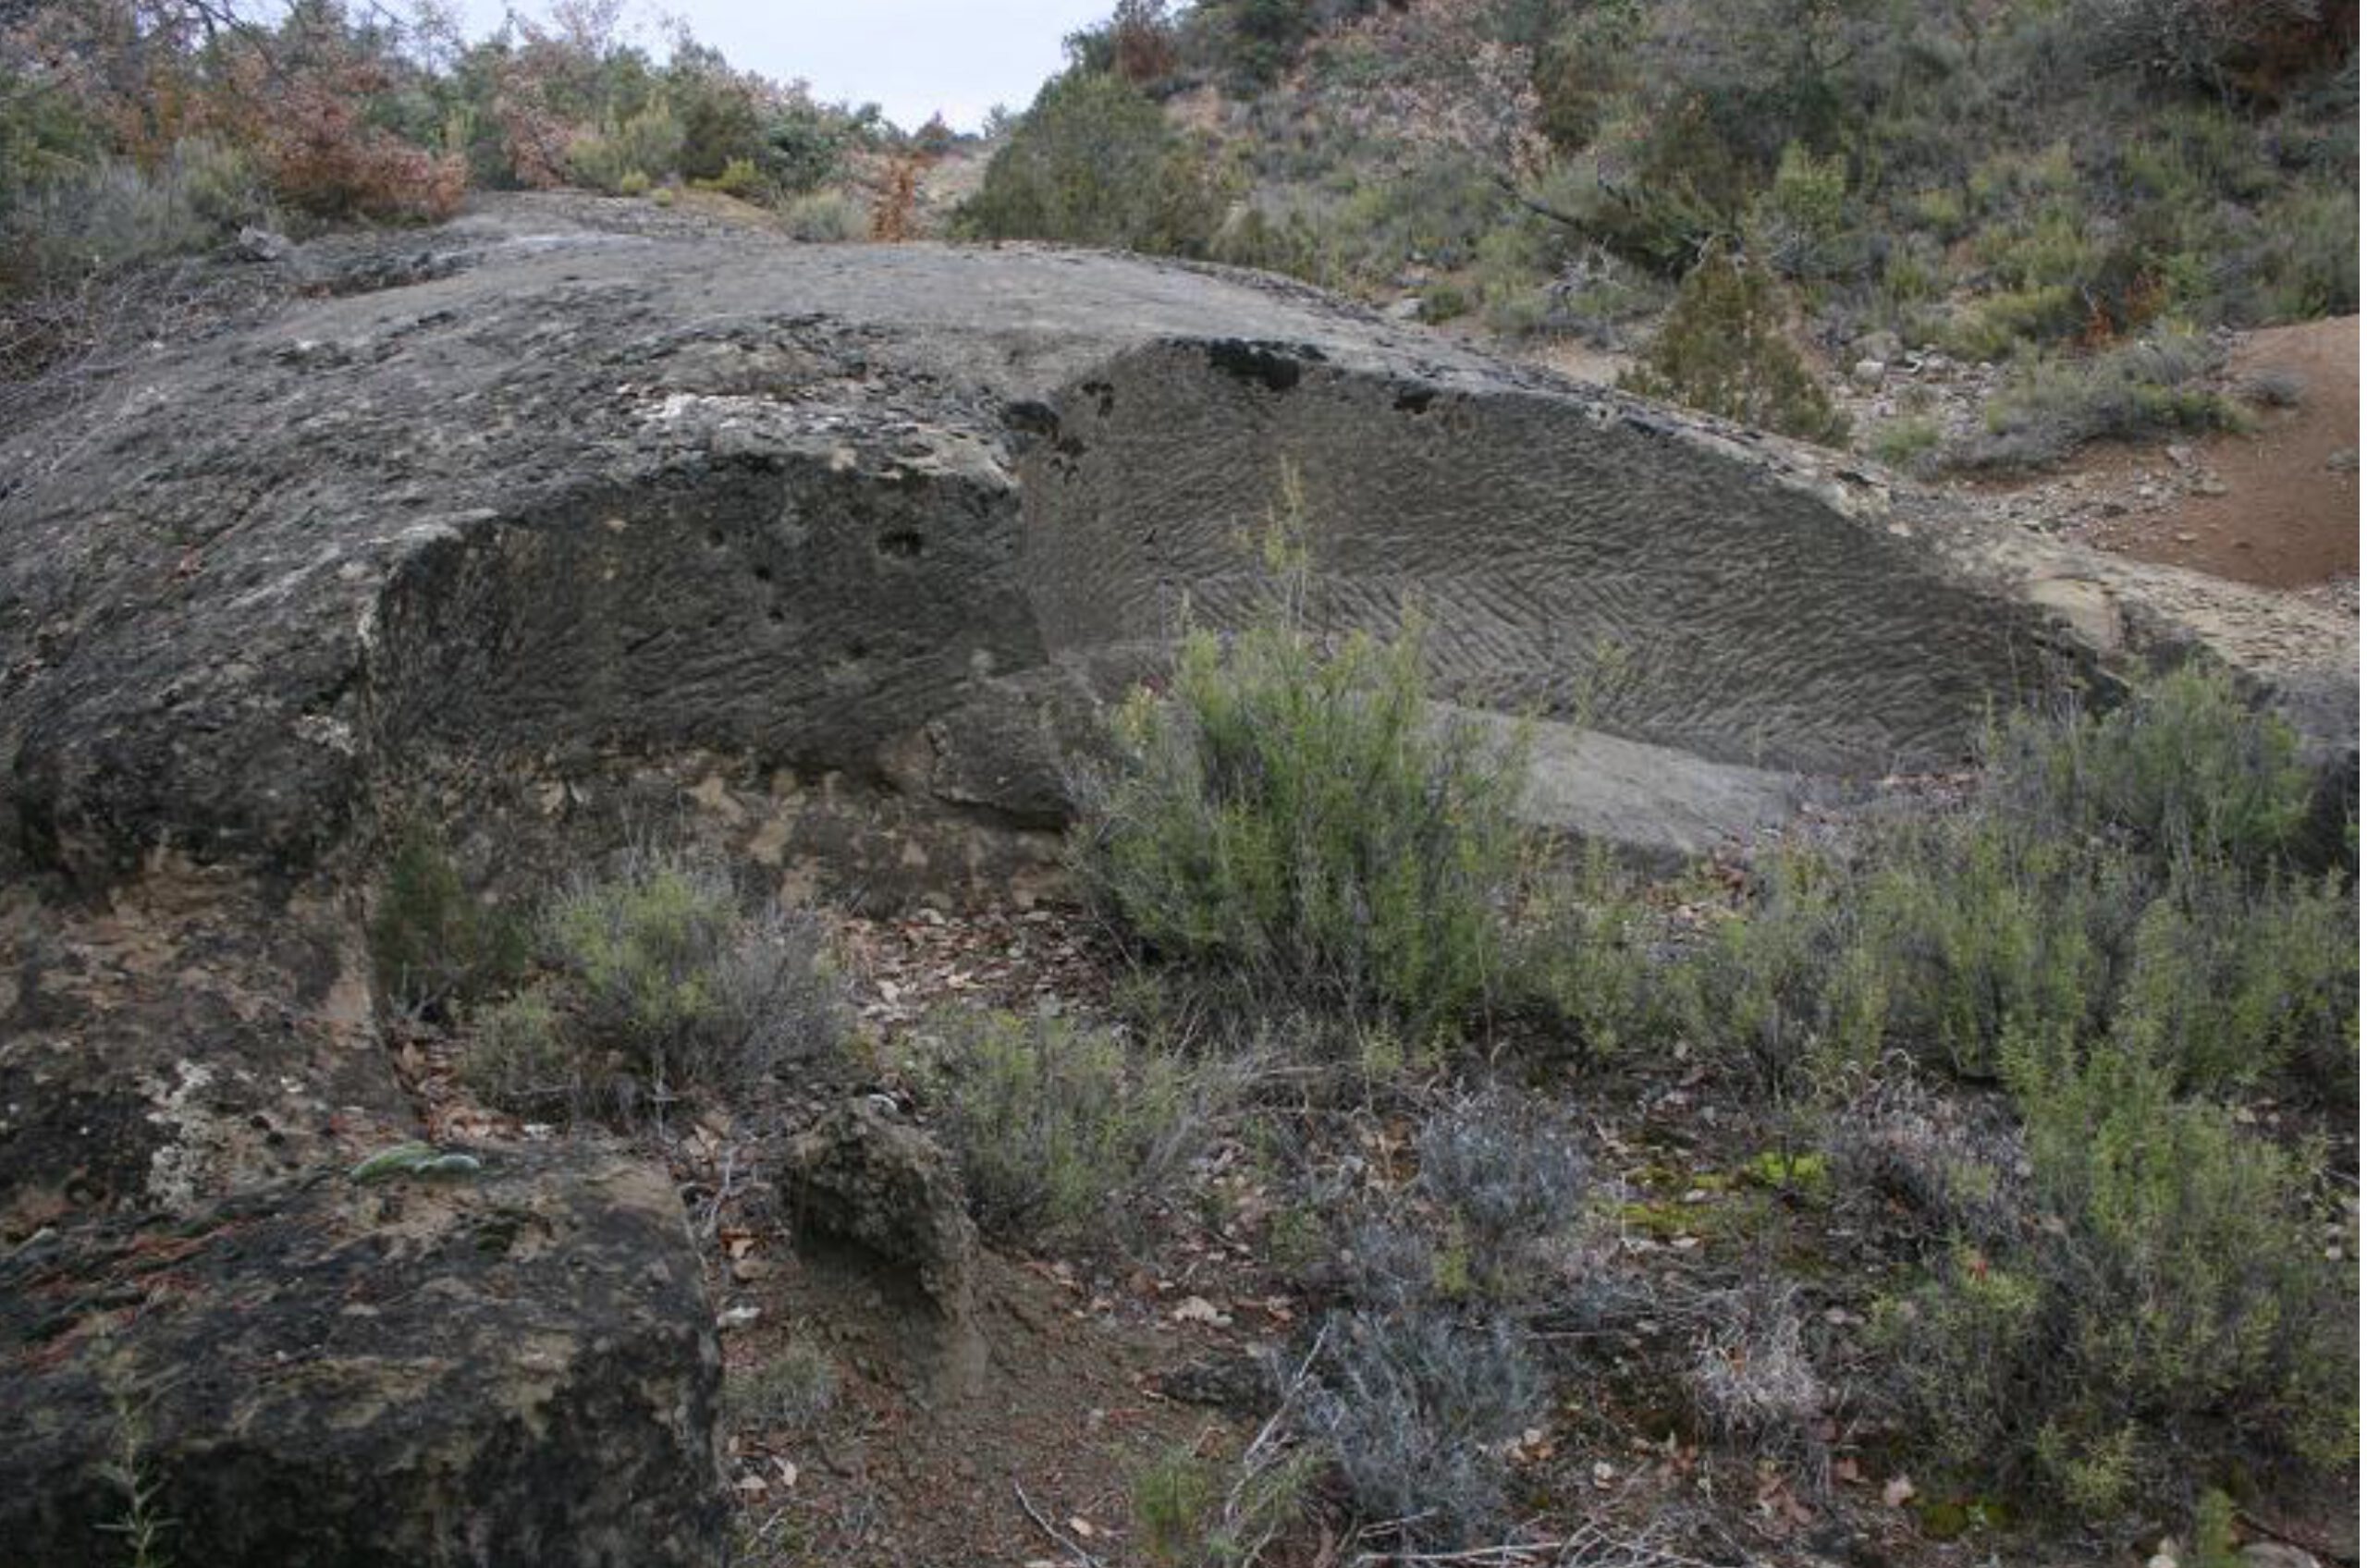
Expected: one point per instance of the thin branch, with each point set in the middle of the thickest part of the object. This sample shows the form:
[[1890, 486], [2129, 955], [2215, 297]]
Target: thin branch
[[1045, 1525]]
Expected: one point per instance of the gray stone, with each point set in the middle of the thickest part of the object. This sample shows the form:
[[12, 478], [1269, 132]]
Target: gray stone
[[513, 1365], [536, 500], [864, 1175]]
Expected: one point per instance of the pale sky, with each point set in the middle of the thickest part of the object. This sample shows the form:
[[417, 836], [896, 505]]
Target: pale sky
[[912, 58]]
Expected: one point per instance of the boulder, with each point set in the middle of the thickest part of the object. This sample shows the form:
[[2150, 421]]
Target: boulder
[[507, 1365], [865, 1176]]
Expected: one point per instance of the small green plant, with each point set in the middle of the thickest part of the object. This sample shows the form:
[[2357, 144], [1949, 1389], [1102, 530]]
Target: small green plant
[[786, 1393], [1724, 349], [1191, 1512], [132, 1471], [1583, 959], [435, 948], [1061, 1131], [1910, 445], [2166, 1285], [1293, 815], [1416, 1408], [664, 984], [1976, 926], [413, 1160], [1174, 1498], [516, 1058], [739, 177], [1786, 987]]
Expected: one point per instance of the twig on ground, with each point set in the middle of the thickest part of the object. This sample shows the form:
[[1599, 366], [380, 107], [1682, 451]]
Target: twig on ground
[[1038, 1519]]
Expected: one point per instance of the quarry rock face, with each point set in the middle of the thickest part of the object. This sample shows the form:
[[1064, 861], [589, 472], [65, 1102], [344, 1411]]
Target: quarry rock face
[[553, 533]]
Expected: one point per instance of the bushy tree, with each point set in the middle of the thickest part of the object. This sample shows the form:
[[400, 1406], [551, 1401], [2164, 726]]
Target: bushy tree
[[1724, 349], [1095, 163]]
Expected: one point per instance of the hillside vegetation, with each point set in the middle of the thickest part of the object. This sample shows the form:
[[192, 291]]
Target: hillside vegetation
[[136, 135], [2031, 181]]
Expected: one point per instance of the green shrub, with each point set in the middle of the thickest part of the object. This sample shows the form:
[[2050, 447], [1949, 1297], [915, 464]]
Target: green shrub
[[1910, 445], [1979, 926], [665, 986], [1996, 325], [738, 178], [1786, 986], [1297, 818], [1095, 163], [2230, 982], [1801, 224], [2049, 406], [433, 946], [1061, 1131], [648, 143], [826, 217], [2169, 1289], [105, 212], [1724, 350], [1193, 1513], [2184, 766], [2311, 262], [634, 183], [1584, 960], [516, 1059]]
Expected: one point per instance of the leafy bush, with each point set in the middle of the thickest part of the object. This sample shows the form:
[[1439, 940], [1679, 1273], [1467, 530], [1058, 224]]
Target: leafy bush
[[1416, 1408], [1584, 960], [1910, 445], [433, 946], [739, 177], [1296, 817], [1724, 350], [1094, 162], [648, 143], [1979, 925], [825, 217], [1062, 1132], [516, 1059], [111, 212], [2229, 983]]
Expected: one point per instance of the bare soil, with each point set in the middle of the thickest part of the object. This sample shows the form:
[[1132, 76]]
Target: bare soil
[[2276, 505]]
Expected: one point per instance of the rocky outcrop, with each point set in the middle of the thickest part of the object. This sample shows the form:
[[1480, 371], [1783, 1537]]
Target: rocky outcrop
[[556, 532], [507, 1365], [545, 501]]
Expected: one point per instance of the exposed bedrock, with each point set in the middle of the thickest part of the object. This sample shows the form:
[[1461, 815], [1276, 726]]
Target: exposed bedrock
[[879, 524]]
